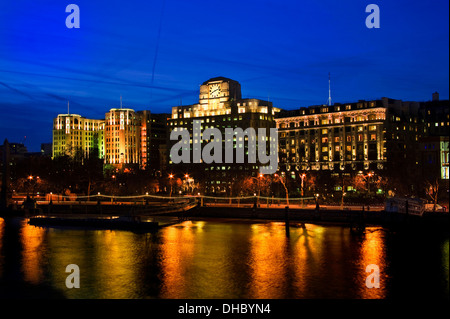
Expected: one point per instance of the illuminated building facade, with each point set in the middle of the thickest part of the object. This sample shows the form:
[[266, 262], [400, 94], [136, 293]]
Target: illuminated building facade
[[434, 146], [365, 135], [74, 135], [221, 106], [434, 158], [122, 137]]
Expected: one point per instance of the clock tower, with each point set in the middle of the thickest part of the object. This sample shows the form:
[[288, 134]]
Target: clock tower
[[219, 90]]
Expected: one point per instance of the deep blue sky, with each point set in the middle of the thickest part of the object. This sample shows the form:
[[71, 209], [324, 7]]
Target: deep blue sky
[[277, 49]]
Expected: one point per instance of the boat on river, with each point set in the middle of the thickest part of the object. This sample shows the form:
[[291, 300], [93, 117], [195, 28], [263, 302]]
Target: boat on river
[[416, 211], [126, 222]]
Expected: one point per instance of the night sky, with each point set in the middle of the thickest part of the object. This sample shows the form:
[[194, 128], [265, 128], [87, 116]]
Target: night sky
[[157, 53]]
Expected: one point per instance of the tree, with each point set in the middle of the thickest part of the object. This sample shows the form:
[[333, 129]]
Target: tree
[[432, 190], [282, 179]]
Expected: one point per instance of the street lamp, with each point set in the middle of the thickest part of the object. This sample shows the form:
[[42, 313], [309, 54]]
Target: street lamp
[[368, 182], [342, 199], [35, 179], [170, 177], [317, 202], [259, 186], [302, 177], [186, 176]]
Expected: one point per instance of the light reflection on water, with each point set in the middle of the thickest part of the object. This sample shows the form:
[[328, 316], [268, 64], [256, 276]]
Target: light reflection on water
[[217, 259]]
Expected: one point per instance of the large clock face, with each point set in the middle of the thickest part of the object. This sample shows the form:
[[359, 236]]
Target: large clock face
[[214, 90]]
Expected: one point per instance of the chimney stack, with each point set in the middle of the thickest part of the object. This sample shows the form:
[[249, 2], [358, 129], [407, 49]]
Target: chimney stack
[[435, 96]]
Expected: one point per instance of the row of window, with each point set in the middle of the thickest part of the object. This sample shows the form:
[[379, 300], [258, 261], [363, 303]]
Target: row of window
[[328, 121], [337, 139]]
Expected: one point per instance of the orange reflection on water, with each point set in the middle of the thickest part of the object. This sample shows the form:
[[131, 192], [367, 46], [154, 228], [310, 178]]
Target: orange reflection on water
[[177, 252], [32, 238], [116, 257], [267, 261], [372, 251], [306, 262]]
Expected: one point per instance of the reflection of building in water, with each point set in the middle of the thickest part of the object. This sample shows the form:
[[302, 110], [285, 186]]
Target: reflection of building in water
[[177, 249], [268, 262], [373, 252], [32, 260]]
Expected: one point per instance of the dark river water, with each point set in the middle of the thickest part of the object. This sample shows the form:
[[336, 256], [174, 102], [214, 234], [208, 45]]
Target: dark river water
[[222, 258]]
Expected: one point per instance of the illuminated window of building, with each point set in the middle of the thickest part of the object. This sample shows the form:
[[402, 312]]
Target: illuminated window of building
[[324, 139]]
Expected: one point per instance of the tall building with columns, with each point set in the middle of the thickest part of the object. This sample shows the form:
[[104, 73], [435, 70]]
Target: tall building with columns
[[123, 138], [74, 135], [358, 136]]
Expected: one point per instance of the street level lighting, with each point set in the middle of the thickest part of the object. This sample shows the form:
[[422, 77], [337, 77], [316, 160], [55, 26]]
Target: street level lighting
[[368, 182], [170, 177], [302, 177]]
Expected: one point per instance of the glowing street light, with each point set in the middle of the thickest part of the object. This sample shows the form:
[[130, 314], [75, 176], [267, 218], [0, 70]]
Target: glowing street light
[[302, 177], [171, 178]]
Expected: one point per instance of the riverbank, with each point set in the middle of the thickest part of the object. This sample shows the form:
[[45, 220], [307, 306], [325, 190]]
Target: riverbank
[[324, 215], [433, 222]]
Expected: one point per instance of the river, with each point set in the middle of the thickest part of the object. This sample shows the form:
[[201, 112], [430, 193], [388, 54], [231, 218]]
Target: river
[[225, 258]]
